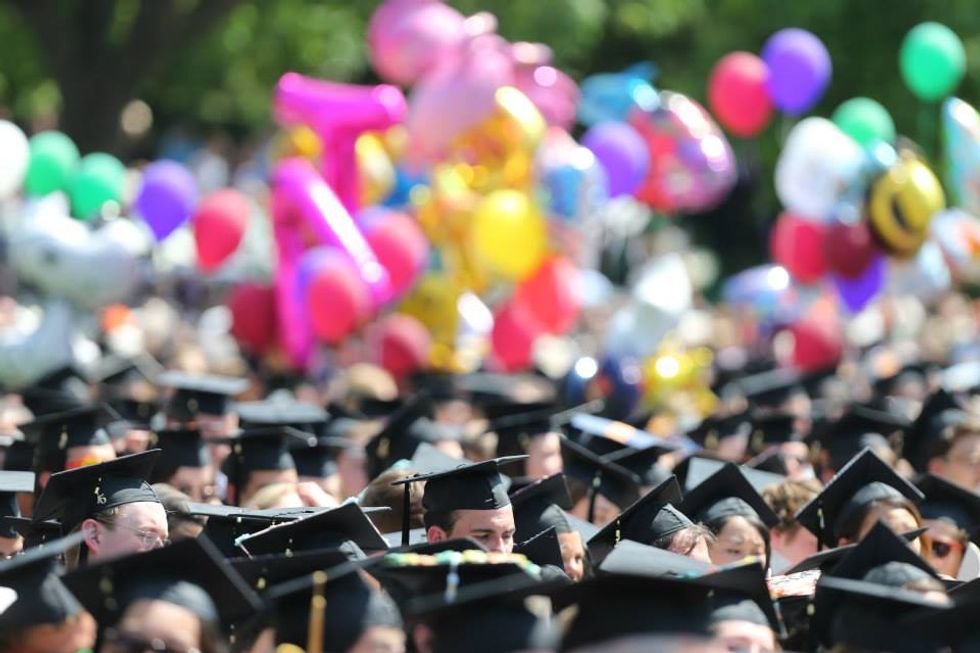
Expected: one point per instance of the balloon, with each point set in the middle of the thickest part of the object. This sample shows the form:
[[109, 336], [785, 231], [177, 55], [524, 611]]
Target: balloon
[[336, 299], [620, 382], [339, 113], [901, 204], [865, 121], [737, 93], [817, 344], [99, 179], [553, 92], [401, 345], [766, 289], [15, 155], [219, 225], [692, 166], [856, 292], [253, 316], [407, 38], [622, 153], [166, 197], [849, 249], [512, 339], [576, 188], [962, 135], [799, 69], [399, 244], [508, 234], [958, 234], [797, 245], [614, 96], [814, 167], [53, 160], [376, 177], [552, 295], [932, 61]]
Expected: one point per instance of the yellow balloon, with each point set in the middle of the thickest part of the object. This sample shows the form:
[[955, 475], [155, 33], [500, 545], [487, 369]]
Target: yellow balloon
[[375, 169], [902, 204], [433, 302], [299, 141], [509, 236]]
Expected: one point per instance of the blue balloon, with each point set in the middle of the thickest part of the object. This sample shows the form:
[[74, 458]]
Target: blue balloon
[[405, 181], [575, 191], [611, 96]]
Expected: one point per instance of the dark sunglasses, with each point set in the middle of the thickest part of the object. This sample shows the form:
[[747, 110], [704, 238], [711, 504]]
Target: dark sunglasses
[[943, 549]]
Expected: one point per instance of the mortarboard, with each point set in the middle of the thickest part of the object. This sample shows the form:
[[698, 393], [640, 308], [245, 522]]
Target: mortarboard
[[41, 596], [725, 493], [605, 436], [10, 484], [199, 393], [861, 482], [514, 432], [827, 559], [858, 428], [424, 547], [19, 456], [34, 533], [263, 571], [540, 506], [322, 530], [771, 389], [317, 457], [298, 415], [375, 408], [488, 617], [259, 449], [59, 391], [349, 606], [402, 433], [939, 411], [55, 433], [615, 483], [473, 486], [643, 463], [771, 429], [190, 573], [75, 495], [543, 549], [180, 447], [226, 524], [650, 518], [950, 502], [700, 469], [712, 430]]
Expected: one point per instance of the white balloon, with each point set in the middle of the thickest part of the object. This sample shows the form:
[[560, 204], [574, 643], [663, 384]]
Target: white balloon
[[26, 356], [814, 167], [15, 154]]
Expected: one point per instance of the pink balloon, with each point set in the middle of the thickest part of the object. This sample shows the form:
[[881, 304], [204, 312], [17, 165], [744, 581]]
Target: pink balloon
[[219, 226], [456, 96], [553, 92], [253, 316], [552, 295], [738, 95], [818, 344], [798, 245], [513, 336], [401, 345], [336, 301], [406, 38], [399, 244], [338, 113]]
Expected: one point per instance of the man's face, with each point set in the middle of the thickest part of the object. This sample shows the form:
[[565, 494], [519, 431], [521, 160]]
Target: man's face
[[544, 456], [139, 526], [196, 482], [494, 529], [961, 464], [572, 554]]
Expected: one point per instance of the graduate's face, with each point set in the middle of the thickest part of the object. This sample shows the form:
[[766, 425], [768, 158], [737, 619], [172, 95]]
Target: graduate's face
[[10, 546], [544, 456], [962, 464], [745, 636], [139, 526], [148, 621], [737, 539], [572, 554], [77, 633], [380, 639], [899, 520], [494, 529], [196, 482], [946, 549]]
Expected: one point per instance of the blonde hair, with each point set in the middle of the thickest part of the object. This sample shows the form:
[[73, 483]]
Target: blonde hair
[[273, 495]]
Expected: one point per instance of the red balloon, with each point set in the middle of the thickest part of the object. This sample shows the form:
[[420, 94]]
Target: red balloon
[[849, 249], [737, 93], [512, 339], [253, 316], [797, 245], [551, 295], [337, 301], [219, 225], [818, 344], [401, 345], [400, 246]]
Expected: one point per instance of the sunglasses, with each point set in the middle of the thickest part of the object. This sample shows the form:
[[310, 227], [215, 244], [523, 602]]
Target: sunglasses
[[943, 549]]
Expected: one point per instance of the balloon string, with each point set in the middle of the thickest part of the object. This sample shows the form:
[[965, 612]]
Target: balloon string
[[926, 131]]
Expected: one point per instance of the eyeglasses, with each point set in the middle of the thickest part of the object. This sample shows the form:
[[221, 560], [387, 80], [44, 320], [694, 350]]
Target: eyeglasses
[[941, 549], [122, 642], [148, 539]]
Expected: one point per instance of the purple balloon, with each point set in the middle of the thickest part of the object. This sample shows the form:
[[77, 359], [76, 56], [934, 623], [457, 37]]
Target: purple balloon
[[166, 198], [856, 293], [623, 154], [799, 69]]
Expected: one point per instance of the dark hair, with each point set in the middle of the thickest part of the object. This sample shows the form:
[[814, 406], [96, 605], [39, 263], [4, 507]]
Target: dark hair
[[696, 532], [716, 526], [444, 520], [850, 529], [381, 493], [950, 435]]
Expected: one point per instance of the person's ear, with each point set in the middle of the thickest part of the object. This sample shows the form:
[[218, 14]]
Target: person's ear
[[436, 534], [936, 466], [91, 531]]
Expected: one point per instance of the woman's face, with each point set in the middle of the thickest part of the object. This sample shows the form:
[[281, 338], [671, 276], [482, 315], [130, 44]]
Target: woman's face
[[946, 549], [153, 623], [736, 540], [899, 520]]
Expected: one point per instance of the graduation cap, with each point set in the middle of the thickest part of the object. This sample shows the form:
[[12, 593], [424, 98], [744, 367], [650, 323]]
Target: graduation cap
[[10, 484], [712, 430], [59, 391], [826, 560], [474, 486], [322, 530], [190, 573], [55, 433], [317, 457], [643, 462], [861, 482], [343, 603], [260, 449], [939, 411], [771, 389], [650, 518], [41, 596], [19, 456], [772, 429], [543, 549], [179, 447], [860, 427], [726, 493], [950, 502], [34, 533], [374, 407], [199, 393], [402, 433], [604, 436], [541, 506], [700, 469], [421, 546], [226, 524], [75, 495], [618, 485], [263, 571], [515, 432], [295, 414], [488, 617]]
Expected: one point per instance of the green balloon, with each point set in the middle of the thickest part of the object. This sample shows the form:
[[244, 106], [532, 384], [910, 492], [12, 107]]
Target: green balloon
[[53, 159], [865, 120], [100, 179], [932, 61]]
